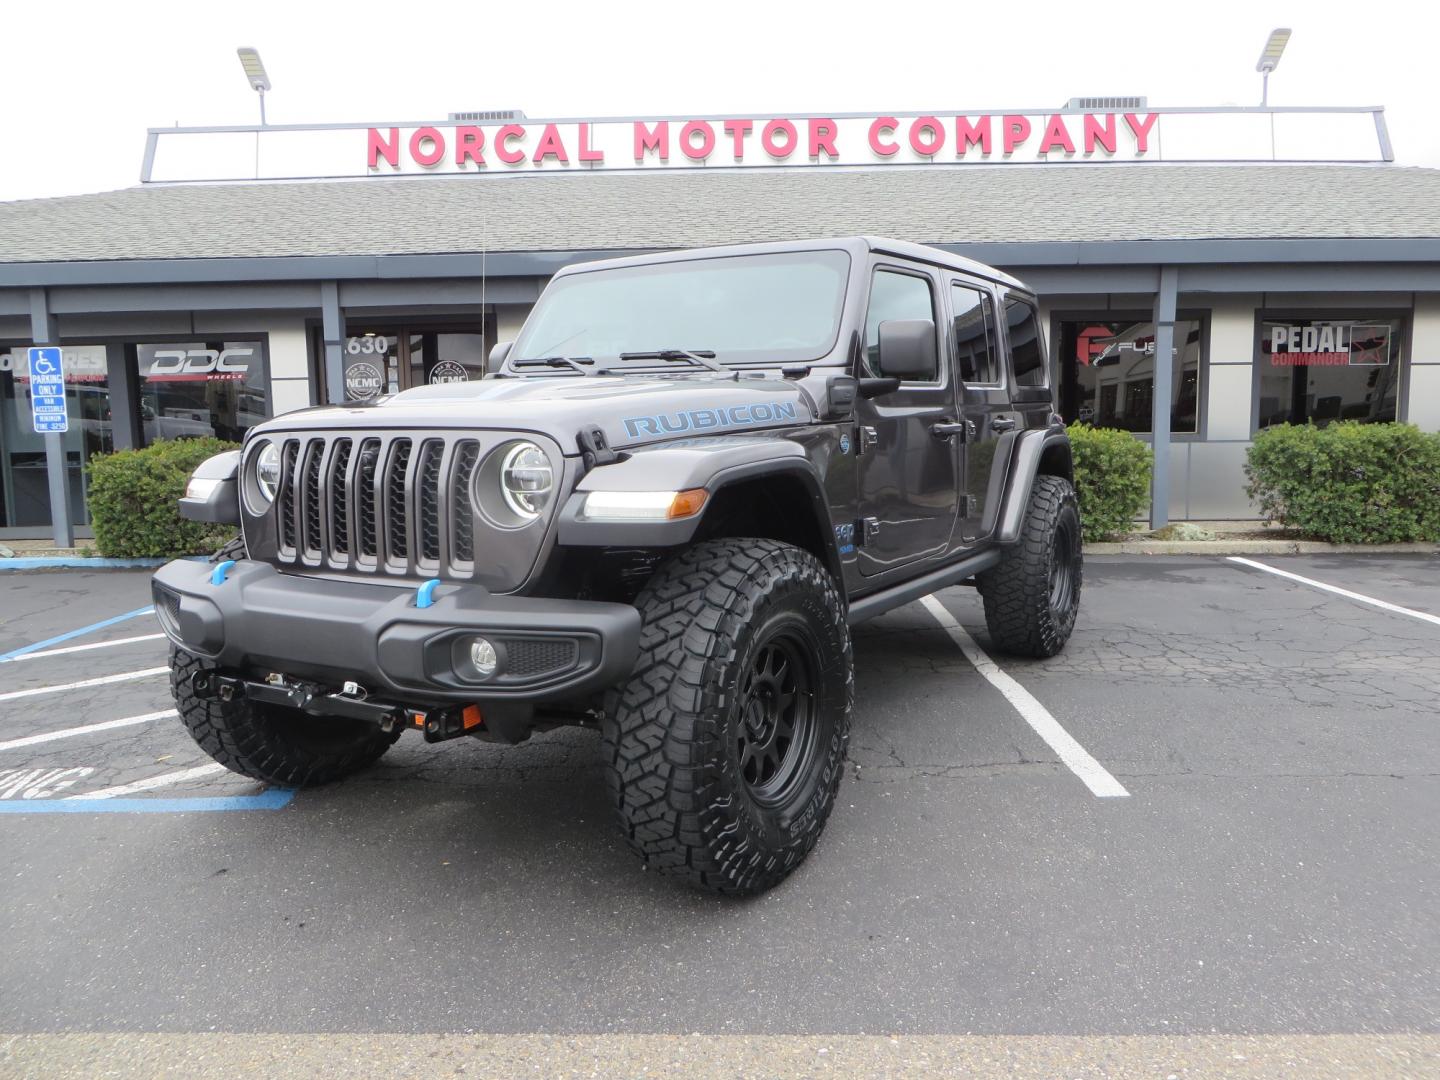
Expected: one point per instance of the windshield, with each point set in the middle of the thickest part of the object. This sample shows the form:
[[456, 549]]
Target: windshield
[[782, 308]]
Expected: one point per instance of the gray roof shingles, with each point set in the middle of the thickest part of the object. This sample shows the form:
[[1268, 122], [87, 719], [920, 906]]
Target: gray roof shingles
[[1003, 204]]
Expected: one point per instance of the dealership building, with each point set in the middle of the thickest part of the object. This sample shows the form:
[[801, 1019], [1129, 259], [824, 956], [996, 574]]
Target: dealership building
[[253, 271]]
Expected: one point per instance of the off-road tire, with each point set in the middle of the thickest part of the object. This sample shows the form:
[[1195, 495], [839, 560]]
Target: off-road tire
[[270, 743], [678, 747], [1028, 611]]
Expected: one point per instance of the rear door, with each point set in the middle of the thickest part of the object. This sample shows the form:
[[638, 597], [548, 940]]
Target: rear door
[[909, 489], [984, 404]]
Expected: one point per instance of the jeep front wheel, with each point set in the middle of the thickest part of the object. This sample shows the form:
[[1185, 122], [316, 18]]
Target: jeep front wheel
[[1033, 595], [724, 750]]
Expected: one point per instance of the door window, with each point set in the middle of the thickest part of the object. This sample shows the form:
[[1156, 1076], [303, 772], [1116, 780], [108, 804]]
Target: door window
[[894, 295], [973, 321]]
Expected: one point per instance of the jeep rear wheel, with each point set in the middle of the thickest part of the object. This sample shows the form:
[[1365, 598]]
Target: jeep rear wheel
[[724, 750], [1033, 595], [270, 743]]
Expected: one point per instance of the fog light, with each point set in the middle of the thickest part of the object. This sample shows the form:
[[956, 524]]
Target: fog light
[[483, 657]]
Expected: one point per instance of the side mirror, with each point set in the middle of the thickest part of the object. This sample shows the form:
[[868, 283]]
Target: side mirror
[[497, 357], [907, 350]]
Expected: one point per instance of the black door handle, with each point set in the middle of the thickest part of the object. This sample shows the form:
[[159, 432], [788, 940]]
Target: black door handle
[[947, 429], [1002, 423]]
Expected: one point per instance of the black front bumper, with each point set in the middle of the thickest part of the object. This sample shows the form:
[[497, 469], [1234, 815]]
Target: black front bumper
[[327, 630]]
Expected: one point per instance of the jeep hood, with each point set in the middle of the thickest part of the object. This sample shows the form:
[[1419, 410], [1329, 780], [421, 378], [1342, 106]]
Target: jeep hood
[[631, 409]]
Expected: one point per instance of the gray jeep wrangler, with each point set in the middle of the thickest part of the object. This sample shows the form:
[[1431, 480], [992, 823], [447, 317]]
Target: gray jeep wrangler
[[658, 515]]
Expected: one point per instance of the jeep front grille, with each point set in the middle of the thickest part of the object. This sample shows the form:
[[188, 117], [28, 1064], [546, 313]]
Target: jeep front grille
[[389, 505]]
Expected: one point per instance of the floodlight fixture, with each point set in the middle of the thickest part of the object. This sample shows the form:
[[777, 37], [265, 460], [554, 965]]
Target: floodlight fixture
[[255, 72], [1270, 60]]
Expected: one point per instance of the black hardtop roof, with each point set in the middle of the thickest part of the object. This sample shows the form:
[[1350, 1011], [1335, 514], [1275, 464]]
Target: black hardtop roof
[[856, 245]]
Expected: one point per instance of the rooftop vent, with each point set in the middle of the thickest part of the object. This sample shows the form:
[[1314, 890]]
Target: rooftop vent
[[485, 116], [1093, 104]]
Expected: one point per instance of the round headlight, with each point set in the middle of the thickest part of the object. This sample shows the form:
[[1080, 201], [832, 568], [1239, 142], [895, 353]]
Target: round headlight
[[526, 479], [267, 471]]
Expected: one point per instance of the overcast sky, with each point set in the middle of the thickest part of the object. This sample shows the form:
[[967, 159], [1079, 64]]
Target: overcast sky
[[81, 82]]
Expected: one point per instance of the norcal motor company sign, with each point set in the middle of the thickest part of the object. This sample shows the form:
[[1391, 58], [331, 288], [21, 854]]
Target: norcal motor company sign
[[737, 142]]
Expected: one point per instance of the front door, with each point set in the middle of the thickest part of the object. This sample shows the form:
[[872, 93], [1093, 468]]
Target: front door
[[984, 405], [908, 482], [385, 360]]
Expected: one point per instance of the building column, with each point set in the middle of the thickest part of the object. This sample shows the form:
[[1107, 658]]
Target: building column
[[127, 431], [42, 332], [1165, 300], [332, 329], [1423, 398]]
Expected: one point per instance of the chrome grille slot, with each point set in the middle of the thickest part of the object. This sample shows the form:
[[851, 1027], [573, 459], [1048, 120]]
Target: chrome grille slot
[[462, 513], [388, 504]]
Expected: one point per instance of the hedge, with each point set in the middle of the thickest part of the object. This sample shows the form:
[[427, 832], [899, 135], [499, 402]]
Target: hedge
[[1348, 482], [1112, 479], [133, 496]]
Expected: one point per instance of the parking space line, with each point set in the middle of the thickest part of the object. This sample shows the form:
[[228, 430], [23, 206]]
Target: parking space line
[[87, 648], [124, 677], [1075, 757], [15, 654], [1359, 597], [87, 729], [162, 780]]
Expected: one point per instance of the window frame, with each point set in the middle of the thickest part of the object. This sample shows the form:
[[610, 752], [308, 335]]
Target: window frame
[[942, 365], [1023, 391]]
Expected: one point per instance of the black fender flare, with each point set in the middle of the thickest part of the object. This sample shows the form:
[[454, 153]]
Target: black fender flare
[[713, 465], [1030, 449]]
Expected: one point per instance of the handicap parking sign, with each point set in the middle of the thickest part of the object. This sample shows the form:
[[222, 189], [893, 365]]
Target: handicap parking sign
[[47, 391]]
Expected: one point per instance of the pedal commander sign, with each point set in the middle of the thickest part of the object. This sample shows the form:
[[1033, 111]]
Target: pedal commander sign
[[1339, 344], [749, 141]]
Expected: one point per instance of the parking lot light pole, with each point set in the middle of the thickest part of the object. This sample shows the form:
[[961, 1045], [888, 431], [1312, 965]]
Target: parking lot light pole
[[255, 72], [1270, 60], [1165, 300]]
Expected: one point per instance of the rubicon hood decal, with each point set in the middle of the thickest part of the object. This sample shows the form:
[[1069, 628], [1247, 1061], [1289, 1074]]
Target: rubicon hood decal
[[710, 419]]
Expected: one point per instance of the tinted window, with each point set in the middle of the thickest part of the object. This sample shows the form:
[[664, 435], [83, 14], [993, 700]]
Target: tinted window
[[974, 334], [894, 296], [1025, 351], [1107, 374], [1317, 370]]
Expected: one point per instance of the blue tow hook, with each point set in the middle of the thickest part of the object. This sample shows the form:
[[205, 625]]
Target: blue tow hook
[[217, 576], [425, 594]]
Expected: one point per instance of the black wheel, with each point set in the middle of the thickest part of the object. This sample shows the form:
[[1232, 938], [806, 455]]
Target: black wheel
[[725, 748], [271, 743], [1033, 594]]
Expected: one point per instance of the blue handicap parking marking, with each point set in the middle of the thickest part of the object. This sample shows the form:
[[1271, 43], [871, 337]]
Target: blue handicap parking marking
[[274, 799], [14, 654]]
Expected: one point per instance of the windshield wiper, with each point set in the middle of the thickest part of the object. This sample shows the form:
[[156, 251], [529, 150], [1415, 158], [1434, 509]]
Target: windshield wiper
[[583, 364], [703, 357]]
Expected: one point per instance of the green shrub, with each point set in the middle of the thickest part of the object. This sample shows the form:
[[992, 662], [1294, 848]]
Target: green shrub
[[1348, 483], [133, 497], [1112, 479]]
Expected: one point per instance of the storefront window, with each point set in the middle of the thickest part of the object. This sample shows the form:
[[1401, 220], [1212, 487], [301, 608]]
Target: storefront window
[[24, 479], [1107, 374], [194, 389], [1319, 370]]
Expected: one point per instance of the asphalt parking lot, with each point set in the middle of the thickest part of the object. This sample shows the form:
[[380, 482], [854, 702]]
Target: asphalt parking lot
[[1267, 867]]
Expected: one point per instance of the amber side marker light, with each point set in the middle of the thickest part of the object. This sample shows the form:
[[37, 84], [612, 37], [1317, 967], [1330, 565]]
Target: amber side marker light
[[643, 505]]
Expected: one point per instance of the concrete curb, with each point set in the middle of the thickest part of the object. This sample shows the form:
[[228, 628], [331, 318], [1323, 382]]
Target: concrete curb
[[79, 562], [1254, 547]]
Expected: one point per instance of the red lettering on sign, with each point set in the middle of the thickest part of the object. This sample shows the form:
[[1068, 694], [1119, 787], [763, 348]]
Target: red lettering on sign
[[773, 148], [687, 140], [1056, 134], [737, 130], [587, 153], [976, 134], [1141, 130], [379, 147], [1095, 134], [1017, 130], [503, 150], [418, 151], [883, 125], [468, 143], [551, 145], [926, 147], [658, 139], [822, 139]]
